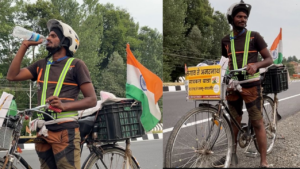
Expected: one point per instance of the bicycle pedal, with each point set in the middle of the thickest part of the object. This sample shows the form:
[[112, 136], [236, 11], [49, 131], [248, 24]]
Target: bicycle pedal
[[251, 153]]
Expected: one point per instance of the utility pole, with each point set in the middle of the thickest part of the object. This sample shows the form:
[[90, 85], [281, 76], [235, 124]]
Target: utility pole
[[30, 102]]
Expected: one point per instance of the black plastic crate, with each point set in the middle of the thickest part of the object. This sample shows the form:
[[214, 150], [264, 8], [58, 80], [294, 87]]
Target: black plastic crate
[[275, 80], [119, 121]]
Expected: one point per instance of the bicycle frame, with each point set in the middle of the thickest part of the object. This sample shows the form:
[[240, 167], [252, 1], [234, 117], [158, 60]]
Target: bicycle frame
[[12, 155]]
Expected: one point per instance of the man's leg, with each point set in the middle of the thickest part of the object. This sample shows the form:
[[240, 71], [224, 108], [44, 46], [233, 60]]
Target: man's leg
[[67, 151], [45, 154], [235, 105], [253, 100], [261, 138]]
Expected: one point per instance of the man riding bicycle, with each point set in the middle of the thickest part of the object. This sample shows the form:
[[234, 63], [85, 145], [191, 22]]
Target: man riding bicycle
[[241, 46], [60, 78]]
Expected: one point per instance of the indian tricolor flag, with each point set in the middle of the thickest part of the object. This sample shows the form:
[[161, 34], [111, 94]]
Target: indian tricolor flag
[[146, 87], [276, 49]]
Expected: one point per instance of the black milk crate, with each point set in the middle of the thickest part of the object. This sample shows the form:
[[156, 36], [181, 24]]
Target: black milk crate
[[119, 121], [275, 80]]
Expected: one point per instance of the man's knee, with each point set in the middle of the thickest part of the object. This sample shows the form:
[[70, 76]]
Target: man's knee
[[257, 124]]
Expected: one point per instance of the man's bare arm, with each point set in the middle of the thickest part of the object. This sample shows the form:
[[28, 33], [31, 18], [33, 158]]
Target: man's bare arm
[[14, 72], [252, 67], [89, 100]]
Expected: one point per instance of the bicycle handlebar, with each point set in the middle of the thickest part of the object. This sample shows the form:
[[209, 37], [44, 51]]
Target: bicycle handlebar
[[231, 72], [38, 109]]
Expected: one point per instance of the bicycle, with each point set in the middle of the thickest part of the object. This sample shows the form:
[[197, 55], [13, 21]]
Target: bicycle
[[204, 134], [106, 155]]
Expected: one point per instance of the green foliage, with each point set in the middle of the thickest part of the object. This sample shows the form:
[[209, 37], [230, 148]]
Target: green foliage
[[113, 77], [103, 30], [290, 68], [174, 14], [192, 34]]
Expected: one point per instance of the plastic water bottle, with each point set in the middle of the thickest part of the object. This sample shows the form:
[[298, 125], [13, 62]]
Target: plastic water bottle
[[25, 34]]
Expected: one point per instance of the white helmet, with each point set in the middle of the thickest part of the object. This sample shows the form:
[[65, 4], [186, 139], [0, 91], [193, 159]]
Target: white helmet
[[231, 10], [67, 31]]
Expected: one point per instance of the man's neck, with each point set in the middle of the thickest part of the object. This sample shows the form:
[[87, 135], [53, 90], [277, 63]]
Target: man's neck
[[237, 31], [60, 54]]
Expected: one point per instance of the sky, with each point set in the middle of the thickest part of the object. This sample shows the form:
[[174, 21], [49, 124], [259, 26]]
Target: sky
[[146, 12], [267, 17]]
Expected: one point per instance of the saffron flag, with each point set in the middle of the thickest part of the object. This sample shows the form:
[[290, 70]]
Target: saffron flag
[[276, 49], [146, 87]]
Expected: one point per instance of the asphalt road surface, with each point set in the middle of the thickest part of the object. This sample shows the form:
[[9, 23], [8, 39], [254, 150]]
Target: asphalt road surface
[[175, 106], [148, 153]]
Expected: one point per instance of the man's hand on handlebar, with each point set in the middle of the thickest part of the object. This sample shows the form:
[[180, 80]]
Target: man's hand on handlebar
[[251, 68], [55, 102]]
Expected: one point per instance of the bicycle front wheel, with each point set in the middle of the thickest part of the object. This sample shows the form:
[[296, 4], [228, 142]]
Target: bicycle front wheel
[[270, 126], [2, 164], [199, 142], [113, 158]]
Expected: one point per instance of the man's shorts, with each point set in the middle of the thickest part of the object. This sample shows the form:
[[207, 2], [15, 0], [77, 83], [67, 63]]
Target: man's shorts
[[253, 100], [62, 150]]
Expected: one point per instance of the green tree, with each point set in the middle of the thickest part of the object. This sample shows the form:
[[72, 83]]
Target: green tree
[[149, 50], [174, 14], [193, 45], [113, 78], [119, 28], [295, 58], [221, 28], [284, 60], [290, 68]]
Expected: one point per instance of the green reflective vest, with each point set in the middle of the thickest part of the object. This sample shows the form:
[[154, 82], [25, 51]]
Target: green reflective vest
[[245, 57], [57, 89]]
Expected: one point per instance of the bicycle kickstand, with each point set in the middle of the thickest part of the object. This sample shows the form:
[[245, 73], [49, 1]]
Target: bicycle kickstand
[[250, 153]]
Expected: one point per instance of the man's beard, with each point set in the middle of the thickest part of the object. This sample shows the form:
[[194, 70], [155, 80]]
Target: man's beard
[[53, 49], [239, 28]]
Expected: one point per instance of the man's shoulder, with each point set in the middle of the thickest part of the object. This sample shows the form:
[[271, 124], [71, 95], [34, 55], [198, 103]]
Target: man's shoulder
[[255, 33], [78, 61], [40, 61], [225, 38]]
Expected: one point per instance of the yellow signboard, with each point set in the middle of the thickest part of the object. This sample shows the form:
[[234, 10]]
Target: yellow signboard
[[204, 83]]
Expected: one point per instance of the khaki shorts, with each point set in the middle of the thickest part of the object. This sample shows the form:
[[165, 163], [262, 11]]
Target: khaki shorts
[[62, 150], [253, 100]]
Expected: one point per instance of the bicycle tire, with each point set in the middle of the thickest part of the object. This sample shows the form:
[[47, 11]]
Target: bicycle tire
[[2, 163], [108, 153], [268, 117], [186, 155]]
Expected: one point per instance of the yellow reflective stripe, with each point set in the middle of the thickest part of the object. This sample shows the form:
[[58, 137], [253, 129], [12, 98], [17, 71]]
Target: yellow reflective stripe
[[246, 48], [67, 114], [58, 85], [62, 77], [233, 52], [45, 84], [252, 76]]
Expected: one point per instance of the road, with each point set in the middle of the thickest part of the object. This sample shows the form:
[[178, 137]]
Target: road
[[148, 153], [175, 106]]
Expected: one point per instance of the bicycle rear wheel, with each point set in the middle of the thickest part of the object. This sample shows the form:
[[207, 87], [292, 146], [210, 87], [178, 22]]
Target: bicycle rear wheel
[[270, 126], [113, 158], [198, 142]]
